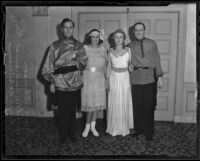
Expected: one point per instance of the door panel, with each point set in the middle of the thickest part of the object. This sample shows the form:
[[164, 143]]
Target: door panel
[[163, 28], [106, 22]]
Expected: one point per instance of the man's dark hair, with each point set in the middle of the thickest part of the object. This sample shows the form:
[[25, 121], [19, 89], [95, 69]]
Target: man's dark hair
[[67, 20], [138, 23]]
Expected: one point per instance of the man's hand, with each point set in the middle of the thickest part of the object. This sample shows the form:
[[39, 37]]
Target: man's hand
[[52, 88], [131, 67], [160, 83]]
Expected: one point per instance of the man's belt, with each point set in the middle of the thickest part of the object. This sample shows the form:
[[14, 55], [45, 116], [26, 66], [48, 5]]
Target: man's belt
[[136, 68], [65, 70]]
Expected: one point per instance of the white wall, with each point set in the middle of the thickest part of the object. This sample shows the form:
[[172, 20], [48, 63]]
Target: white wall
[[56, 15], [189, 94], [190, 56], [44, 28]]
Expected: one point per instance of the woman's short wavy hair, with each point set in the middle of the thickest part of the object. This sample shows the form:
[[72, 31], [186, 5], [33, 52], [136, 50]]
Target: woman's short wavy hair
[[87, 39], [113, 35]]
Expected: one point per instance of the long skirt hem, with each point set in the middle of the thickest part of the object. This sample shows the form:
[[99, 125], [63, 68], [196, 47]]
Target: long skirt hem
[[91, 109], [120, 108]]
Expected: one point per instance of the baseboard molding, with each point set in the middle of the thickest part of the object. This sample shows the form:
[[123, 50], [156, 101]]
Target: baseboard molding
[[20, 97], [185, 119], [177, 119], [189, 108]]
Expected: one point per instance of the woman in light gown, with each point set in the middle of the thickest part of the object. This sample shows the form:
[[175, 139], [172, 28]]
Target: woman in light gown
[[93, 93], [120, 110]]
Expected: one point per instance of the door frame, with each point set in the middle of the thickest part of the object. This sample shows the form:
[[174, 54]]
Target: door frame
[[181, 9]]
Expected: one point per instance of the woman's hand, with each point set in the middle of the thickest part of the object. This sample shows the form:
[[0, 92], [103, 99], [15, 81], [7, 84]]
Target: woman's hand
[[130, 68]]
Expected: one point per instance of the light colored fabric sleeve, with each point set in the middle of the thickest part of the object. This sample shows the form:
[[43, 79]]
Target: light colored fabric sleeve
[[157, 61], [108, 66], [48, 68], [106, 62], [81, 57], [129, 52]]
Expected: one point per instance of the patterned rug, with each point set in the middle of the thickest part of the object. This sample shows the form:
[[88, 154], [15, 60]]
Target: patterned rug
[[27, 137]]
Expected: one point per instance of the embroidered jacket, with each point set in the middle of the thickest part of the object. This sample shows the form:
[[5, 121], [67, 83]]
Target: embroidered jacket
[[65, 54], [145, 55]]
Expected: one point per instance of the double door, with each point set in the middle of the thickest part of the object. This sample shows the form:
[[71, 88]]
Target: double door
[[161, 27]]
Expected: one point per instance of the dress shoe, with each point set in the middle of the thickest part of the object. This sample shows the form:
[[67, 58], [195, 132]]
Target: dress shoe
[[61, 141], [94, 132], [149, 138], [73, 139], [86, 130], [136, 134]]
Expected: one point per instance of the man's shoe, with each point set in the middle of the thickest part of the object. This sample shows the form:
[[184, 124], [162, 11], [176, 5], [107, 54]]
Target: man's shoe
[[149, 138], [73, 139], [136, 134], [61, 141]]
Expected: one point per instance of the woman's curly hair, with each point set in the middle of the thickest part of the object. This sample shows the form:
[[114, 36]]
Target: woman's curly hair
[[87, 39]]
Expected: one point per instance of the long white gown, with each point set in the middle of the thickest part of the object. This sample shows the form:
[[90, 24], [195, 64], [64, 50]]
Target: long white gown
[[120, 109]]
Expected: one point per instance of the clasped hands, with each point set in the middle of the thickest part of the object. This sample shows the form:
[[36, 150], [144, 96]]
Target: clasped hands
[[131, 68], [160, 83]]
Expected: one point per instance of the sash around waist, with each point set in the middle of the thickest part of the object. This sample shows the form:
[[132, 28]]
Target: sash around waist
[[119, 69], [65, 70], [136, 68], [94, 69]]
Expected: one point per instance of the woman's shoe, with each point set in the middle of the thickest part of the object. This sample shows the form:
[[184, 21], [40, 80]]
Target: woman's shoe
[[73, 139], [95, 133], [136, 134], [86, 130]]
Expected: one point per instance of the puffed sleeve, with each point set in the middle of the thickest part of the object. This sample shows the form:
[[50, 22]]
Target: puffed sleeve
[[106, 61], [129, 53], [81, 57], [158, 68], [48, 68], [108, 66]]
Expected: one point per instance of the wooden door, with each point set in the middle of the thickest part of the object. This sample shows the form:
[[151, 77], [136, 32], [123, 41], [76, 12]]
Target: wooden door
[[163, 28], [106, 22]]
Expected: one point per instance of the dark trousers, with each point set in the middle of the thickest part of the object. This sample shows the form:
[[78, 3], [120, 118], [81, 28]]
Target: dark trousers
[[144, 97], [65, 115]]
